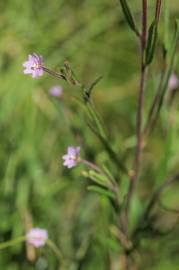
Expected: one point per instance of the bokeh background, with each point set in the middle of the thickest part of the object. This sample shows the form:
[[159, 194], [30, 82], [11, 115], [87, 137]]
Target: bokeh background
[[35, 130]]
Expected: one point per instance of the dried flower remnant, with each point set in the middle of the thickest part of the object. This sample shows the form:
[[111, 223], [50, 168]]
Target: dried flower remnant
[[72, 157], [37, 237], [173, 82], [56, 91], [34, 65]]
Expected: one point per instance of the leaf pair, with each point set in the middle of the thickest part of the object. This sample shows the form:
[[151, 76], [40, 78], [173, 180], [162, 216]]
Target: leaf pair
[[152, 32]]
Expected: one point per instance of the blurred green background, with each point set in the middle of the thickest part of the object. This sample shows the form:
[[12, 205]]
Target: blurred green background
[[35, 130]]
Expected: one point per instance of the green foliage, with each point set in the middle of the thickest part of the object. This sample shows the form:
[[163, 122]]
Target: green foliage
[[35, 130], [152, 38]]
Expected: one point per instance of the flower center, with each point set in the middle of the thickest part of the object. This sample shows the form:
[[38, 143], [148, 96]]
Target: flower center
[[73, 157], [36, 66]]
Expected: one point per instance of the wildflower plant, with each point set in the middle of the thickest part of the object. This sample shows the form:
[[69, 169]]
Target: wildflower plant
[[102, 178]]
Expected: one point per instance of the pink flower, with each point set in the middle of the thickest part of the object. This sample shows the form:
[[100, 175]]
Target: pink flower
[[37, 237], [72, 157], [34, 65], [173, 82], [56, 91]]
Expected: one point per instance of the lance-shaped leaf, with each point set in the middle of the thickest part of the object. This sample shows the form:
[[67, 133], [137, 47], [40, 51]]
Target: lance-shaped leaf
[[87, 91], [166, 24], [108, 173], [99, 179], [129, 17], [151, 44], [169, 70], [112, 154], [102, 191]]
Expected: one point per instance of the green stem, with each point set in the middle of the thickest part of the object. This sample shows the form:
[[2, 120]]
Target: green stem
[[57, 252], [167, 76], [98, 122], [166, 24], [92, 166], [112, 154], [148, 126], [156, 195], [13, 242]]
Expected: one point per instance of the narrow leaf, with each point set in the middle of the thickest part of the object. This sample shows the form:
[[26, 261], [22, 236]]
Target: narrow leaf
[[102, 191], [96, 119], [87, 92], [107, 171], [151, 44], [96, 178], [166, 24], [112, 154], [128, 15]]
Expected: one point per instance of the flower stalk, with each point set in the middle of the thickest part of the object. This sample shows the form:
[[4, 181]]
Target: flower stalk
[[12, 242], [57, 252], [54, 73]]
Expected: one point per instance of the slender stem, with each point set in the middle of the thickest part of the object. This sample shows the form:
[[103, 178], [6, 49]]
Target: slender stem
[[167, 74], [54, 73], [166, 24], [113, 155], [140, 109], [139, 124], [168, 209], [92, 166], [56, 250], [158, 10], [145, 222], [12, 242], [156, 99], [121, 236], [157, 193]]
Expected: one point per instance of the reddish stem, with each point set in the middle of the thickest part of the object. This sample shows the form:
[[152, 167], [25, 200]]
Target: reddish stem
[[140, 109], [158, 9], [54, 73], [92, 166]]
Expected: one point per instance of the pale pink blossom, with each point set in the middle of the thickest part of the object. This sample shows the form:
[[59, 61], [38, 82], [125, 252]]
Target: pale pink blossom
[[37, 237], [72, 157], [173, 82], [34, 65], [56, 91]]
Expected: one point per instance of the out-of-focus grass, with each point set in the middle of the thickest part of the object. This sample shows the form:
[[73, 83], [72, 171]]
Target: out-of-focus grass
[[36, 129]]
